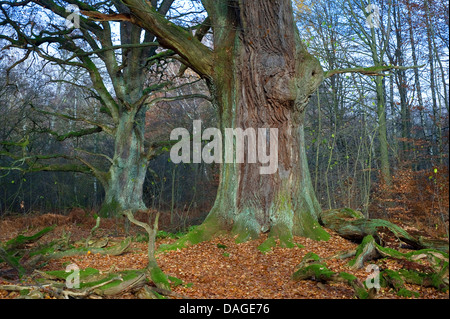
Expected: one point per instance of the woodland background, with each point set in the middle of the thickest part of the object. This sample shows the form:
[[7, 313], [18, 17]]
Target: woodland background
[[341, 129]]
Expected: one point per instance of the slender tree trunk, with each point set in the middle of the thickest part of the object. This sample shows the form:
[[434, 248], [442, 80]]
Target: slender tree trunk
[[172, 200], [382, 133], [378, 52], [401, 85], [264, 78], [416, 74], [432, 79]]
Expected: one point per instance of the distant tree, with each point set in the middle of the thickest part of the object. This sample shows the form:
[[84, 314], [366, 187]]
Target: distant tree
[[118, 66]]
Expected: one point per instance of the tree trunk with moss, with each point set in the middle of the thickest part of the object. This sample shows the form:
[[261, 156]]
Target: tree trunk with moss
[[260, 75], [124, 181], [263, 78]]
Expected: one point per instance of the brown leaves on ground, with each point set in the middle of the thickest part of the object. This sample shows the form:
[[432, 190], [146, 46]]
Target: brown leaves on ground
[[220, 268], [242, 271]]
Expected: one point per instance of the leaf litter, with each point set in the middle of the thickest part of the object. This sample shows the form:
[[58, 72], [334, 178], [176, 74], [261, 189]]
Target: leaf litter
[[221, 268]]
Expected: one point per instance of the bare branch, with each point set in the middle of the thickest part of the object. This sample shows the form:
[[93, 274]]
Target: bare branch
[[105, 128], [169, 35], [96, 154], [177, 98], [72, 134], [370, 71]]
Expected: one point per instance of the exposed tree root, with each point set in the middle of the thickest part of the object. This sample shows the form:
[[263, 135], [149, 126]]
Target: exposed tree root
[[206, 231], [351, 224], [150, 282], [92, 284], [313, 268], [370, 250], [17, 254], [154, 272], [436, 277]]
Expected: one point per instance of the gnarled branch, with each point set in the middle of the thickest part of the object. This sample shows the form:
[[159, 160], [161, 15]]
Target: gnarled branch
[[370, 71]]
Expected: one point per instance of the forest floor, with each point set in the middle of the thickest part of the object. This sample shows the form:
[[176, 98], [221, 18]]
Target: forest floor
[[217, 269]]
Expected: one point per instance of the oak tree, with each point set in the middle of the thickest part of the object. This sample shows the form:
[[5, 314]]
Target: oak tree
[[260, 75]]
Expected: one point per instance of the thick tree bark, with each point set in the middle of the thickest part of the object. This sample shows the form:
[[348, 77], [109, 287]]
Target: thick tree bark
[[263, 78], [260, 75]]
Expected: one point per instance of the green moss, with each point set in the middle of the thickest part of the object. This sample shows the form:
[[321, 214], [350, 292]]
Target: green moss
[[413, 276], [423, 279], [159, 296], [46, 249], [311, 267], [394, 279], [368, 240], [12, 261], [245, 226], [318, 271], [126, 275], [284, 234], [352, 213], [403, 292], [341, 213], [84, 273], [267, 244], [174, 281], [351, 280], [348, 277], [369, 246], [361, 293], [203, 232], [281, 233], [194, 237], [163, 234], [221, 246], [24, 292], [159, 278], [310, 256], [91, 277], [310, 228], [110, 209], [21, 240]]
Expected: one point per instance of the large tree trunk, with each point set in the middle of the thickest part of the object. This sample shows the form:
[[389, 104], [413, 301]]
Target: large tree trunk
[[263, 79], [124, 182], [125, 179]]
